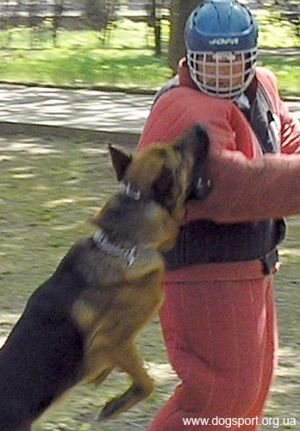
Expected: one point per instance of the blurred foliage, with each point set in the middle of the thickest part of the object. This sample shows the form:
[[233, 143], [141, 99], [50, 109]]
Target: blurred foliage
[[40, 17], [100, 13], [51, 18], [81, 59], [124, 60], [283, 12], [119, 52], [287, 71]]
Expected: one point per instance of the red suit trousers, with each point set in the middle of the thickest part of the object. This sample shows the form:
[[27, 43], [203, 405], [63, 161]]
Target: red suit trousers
[[221, 340]]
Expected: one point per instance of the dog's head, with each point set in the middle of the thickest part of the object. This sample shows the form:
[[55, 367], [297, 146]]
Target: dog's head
[[169, 174], [157, 183]]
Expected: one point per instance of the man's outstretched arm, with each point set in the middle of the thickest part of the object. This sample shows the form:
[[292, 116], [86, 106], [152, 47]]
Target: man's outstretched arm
[[250, 190]]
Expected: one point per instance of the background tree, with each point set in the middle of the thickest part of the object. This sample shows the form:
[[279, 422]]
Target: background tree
[[287, 11], [101, 14], [58, 9], [154, 16], [180, 10], [34, 21], [10, 22]]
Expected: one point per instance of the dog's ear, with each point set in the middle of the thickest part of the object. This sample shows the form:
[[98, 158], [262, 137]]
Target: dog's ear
[[120, 161], [201, 185], [197, 138], [201, 140]]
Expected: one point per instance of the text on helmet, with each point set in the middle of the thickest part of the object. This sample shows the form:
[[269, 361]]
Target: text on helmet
[[224, 41]]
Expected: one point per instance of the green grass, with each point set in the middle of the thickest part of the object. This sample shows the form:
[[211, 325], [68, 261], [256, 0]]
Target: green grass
[[49, 189], [81, 59], [86, 67], [126, 60], [287, 71], [274, 33]]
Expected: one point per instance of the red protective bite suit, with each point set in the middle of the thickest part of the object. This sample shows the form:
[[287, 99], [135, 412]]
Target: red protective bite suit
[[218, 319]]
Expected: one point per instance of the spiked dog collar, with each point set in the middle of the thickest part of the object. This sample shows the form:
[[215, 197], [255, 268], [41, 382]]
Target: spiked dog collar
[[103, 243]]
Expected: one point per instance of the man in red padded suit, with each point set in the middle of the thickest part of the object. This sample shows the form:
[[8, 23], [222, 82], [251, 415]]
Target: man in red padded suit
[[218, 319]]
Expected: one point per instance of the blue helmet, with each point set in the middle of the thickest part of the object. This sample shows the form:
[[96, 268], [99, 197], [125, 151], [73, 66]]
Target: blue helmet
[[221, 41]]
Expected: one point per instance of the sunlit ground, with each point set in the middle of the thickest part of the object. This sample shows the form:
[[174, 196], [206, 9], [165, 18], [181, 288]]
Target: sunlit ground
[[48, 191]]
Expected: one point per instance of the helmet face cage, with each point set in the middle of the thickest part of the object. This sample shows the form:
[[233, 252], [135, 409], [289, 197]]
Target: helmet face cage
[[222, 74]]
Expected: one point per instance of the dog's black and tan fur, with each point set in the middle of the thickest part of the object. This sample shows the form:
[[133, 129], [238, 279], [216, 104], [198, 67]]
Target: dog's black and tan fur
[[81, 323]]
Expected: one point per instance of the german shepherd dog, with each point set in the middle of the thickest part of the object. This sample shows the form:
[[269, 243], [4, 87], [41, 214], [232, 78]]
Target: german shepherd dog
[[81, 323]]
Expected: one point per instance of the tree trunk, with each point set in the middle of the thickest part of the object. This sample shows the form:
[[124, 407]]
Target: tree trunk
[[156, 16], [180, 10], [58, 8]]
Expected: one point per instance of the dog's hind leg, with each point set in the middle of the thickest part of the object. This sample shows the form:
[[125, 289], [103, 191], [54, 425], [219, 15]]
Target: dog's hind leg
[[131, 362], [101, 377]]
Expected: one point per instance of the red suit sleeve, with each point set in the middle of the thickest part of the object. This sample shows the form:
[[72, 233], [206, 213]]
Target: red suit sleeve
[[263, 188], [250, 190], [247, 186]]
